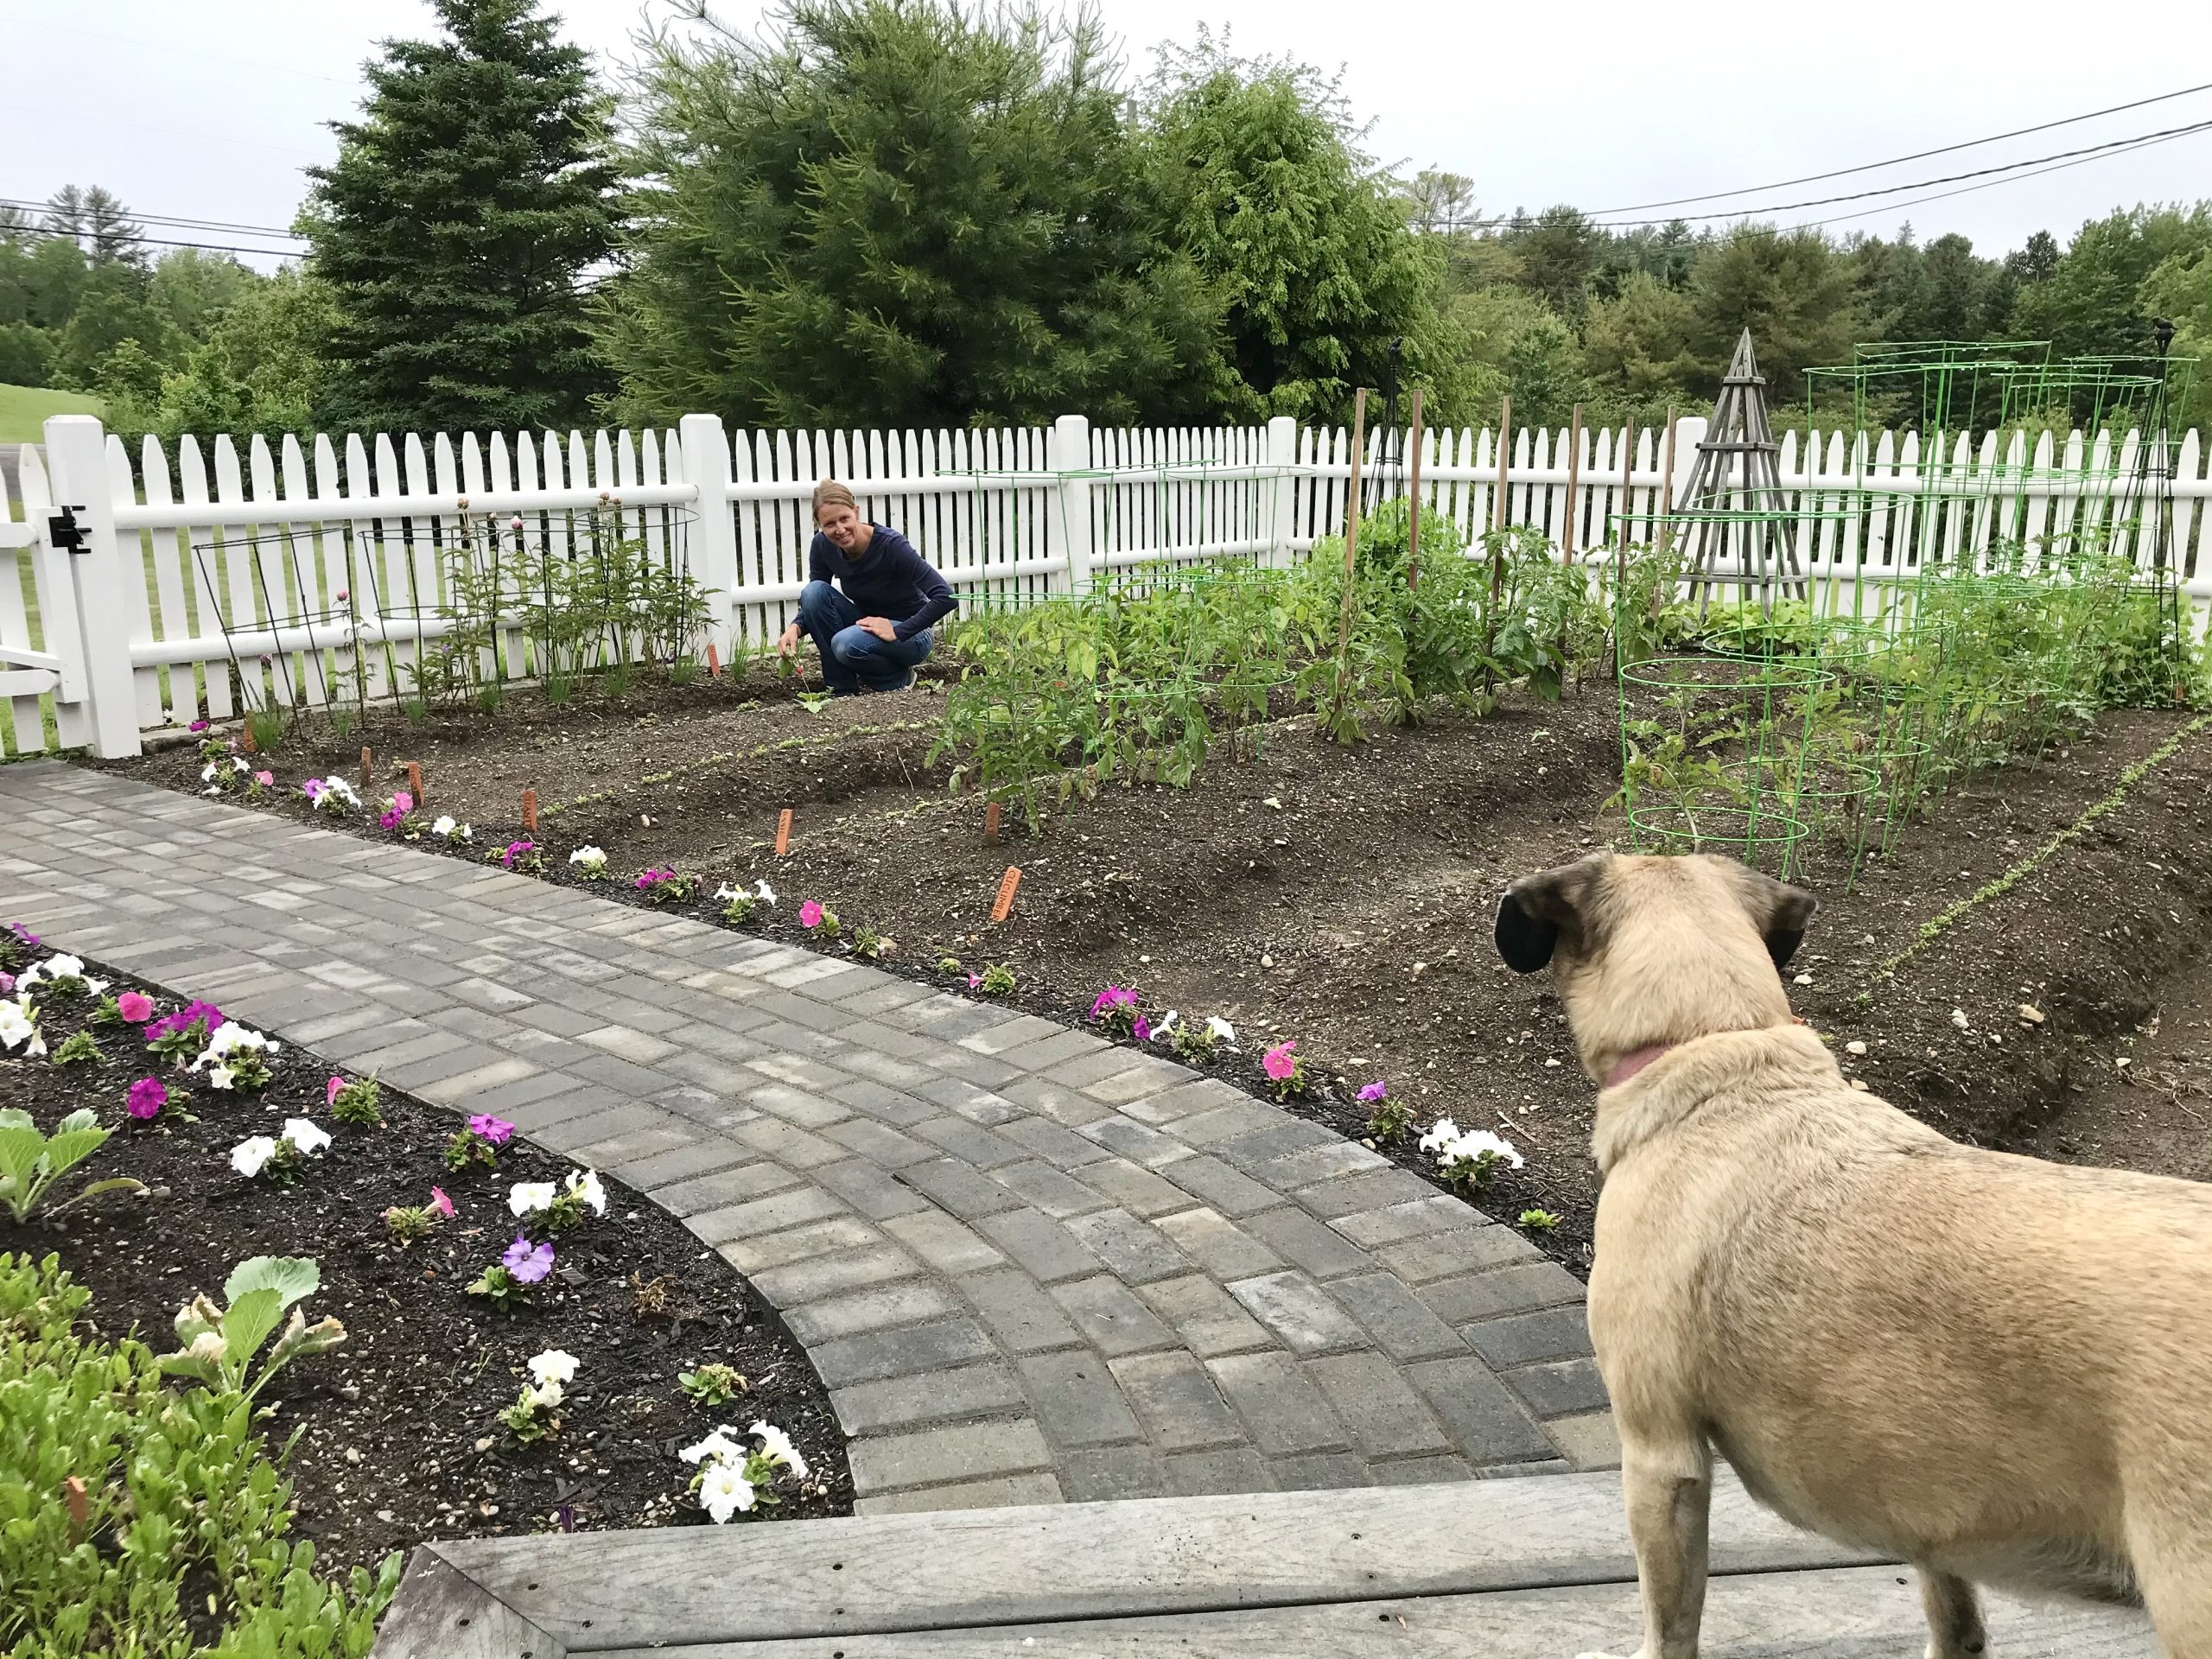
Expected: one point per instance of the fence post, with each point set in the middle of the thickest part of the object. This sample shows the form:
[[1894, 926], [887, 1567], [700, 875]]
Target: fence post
[[1070, 533], [713, 561], [1282, 461], [76, 454]]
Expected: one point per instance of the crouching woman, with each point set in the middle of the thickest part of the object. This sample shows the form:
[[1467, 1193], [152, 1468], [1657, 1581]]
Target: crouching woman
[[871, 626]]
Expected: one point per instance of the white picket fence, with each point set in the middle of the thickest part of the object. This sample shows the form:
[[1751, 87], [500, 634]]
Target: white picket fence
[[212, 579]]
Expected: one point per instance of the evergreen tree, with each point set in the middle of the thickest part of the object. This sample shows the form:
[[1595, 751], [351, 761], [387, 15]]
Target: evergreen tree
[[888, 213], [460, 223]]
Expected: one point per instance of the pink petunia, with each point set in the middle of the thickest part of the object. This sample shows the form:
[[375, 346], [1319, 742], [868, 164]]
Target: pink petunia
[[1376, 1090], [266, 779], [147, 1098], [197, 726], [809, 914], [403, 801], [330, 1091], [440, 1203], [497, 1130], [136, 1007], [1142, 1030], [1279, 1063], [974, 980]]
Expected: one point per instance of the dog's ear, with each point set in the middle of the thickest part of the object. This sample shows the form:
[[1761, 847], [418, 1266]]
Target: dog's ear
[[1536, 909], [1780, 912]]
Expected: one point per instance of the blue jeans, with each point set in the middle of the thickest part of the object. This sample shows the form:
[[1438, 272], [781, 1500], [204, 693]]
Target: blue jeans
[[853, 659]]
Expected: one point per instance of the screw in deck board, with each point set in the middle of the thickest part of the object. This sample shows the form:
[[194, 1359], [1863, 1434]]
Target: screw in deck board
[[991, 825], [1003, 905], [415, 783], [784, 833], [529, 810]]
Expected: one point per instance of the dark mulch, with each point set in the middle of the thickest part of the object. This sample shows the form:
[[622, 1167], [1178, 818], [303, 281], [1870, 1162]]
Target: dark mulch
[[398, 1441], [1345, 898]]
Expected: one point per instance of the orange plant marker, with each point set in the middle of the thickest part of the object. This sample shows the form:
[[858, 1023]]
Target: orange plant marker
[[529, 810], [991, 825], [245, 740], [414, 782], [80, 1504], [1007, 883], [784, 833], [368, 766], [714, 662]]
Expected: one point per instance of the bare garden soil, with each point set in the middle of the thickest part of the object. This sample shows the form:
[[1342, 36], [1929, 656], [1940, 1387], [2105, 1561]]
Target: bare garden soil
[[398, 1441], [1343, 898]]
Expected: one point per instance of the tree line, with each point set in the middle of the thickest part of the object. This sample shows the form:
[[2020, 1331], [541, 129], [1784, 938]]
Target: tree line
[[901, 213]]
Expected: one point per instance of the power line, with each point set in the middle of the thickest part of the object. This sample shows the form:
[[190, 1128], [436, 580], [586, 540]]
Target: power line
[[150, 241], [1894, 160], [1967, 190], [2089, 152], [163, 218]]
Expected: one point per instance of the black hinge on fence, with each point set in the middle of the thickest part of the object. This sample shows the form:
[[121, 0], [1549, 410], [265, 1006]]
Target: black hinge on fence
[[65, 532]]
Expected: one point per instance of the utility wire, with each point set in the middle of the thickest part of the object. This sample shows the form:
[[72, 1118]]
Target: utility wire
[[1894, 160], [150, 241], [2088, 152], [163, 218]]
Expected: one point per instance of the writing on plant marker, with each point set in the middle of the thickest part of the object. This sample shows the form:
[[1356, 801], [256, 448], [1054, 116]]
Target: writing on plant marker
[[415, 780], [1002, 906], [784, 832], [529, 810]]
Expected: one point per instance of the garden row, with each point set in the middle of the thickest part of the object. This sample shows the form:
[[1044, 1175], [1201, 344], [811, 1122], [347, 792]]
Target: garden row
[[390, 1325]]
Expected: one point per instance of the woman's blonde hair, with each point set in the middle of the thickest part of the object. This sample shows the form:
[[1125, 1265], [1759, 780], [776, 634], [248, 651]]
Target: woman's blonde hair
[[830, 494]]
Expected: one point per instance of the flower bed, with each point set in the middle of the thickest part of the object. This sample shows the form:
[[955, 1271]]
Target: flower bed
[[408, 1429]]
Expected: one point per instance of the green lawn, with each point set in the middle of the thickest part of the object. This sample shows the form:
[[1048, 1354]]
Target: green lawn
[[23, 410]]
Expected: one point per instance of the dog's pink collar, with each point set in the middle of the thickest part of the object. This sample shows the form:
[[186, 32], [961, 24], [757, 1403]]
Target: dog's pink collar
[[1633, 1062]]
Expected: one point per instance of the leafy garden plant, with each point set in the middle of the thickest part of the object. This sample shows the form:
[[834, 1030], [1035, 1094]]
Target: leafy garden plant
[[30, 1163], [713, 1385], [220, 1343]]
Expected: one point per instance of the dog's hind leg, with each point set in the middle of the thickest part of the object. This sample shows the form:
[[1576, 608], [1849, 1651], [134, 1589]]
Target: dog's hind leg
[[1955, 1628], [1669, 1486], [2173, 1568]]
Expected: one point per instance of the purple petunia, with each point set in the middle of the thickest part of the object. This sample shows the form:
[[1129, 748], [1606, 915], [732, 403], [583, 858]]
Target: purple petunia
[[1113, 997], [23, 935], [197, 726], [515, 851], [7, 984], [528, 1262], [147, 1098], [497, 1131], [183, 1018], [1376, 1090]]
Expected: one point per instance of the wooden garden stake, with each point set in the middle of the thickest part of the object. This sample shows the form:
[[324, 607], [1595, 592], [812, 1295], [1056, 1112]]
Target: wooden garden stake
[[415, 783], [1351, 546], [1413, 489], [714, 662], [784, 833], [368, 768], [1504, 447], [1497, 534], [1002, 906], [529, 810], [245, 739], [1667, 483], [991, 825], [1573, 488], [79, 1503]]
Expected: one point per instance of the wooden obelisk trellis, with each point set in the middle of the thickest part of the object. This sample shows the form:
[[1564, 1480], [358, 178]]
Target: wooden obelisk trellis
[[1731, 511]]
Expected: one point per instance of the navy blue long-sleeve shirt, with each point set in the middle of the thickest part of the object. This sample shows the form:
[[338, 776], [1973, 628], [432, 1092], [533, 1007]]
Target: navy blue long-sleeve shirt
[[889, 579]]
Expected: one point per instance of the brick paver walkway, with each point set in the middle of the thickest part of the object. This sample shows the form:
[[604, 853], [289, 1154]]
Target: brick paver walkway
[[1028, 1264]]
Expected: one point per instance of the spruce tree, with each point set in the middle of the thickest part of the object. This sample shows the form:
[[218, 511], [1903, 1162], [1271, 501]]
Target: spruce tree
[[460, 225]]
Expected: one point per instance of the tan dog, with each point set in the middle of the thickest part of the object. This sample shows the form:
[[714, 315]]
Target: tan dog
[[1997, 1368]]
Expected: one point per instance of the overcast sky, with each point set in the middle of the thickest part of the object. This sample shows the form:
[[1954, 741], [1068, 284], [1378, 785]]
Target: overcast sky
[[208, 108]]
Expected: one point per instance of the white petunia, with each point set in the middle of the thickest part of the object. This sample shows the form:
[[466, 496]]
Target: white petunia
[[303, 1133], [766, 893], [547, 1394], [443, 824], [207, 772], [220, 1077], [524, 1196], [1441, 1133], [584, 1183], [239, 763], [776, 1448], [17, 1025], [552, 1366], [1166, 1023], [1473, 1145], [717, 1446], [590, 859], [1220, 1029], [724, 1490], [250, 1154]]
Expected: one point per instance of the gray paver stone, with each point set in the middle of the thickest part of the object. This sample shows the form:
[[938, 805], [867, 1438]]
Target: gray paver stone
[[1284, 1412], [1101, 1474], [1403, 1326], [1177, 1400], [1523, 1339], [888, 1462], [907, 1352], [1075, 1399], [1480, 1412], [1386, 1417], [1135, 1250], [1111, 1318], [1299, 1311], [1044, 1248], [1205, 1316], [907, 1301], [1562, 1388], [1018, 1311], [1234, 1469], [982, 1390]]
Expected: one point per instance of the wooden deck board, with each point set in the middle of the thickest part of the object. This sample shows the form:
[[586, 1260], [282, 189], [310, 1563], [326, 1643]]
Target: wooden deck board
[[1060, 1562], [1870, 1612]]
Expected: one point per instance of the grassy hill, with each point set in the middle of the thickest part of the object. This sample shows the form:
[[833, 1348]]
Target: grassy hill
[[23, 410]]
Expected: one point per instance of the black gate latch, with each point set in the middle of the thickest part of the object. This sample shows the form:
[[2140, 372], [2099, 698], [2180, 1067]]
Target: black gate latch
[[65, 532]]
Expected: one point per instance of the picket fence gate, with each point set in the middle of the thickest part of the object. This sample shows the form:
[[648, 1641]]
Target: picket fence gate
[[194, 585]]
